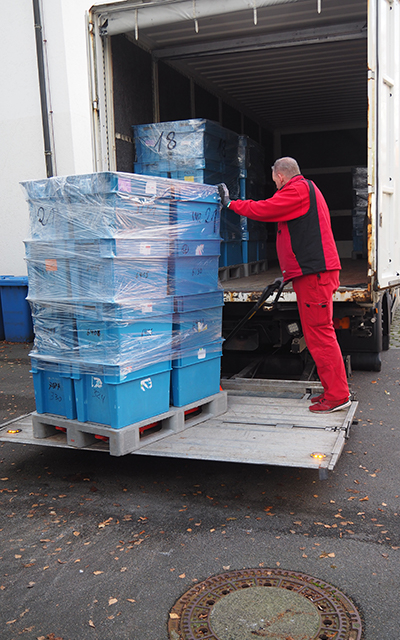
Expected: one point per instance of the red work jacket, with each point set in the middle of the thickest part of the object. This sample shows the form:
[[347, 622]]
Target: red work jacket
[[305, 242]]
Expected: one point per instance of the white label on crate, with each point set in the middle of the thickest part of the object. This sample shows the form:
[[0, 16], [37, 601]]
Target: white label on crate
[[151, 188], [201, 354], [145, 249], [96, 383], [146, 384], [199, 249], [124, 185], [147, 308]]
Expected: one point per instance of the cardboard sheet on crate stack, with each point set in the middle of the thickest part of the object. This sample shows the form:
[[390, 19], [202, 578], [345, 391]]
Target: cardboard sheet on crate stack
[[110, 258]]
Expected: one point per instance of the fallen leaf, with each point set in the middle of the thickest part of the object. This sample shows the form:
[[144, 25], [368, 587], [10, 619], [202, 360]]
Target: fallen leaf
[[123, 569], [327, 555], [174, 616], [131, 600], [112, 601], [183, 575], [97, 573], [364, 499], [77, 533], [227, 567], [91, 624]]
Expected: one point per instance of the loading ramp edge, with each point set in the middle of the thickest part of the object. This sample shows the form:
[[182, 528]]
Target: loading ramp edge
[[220, 438]]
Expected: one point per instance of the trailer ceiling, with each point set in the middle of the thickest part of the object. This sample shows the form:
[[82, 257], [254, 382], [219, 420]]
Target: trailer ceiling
[[284, 64]]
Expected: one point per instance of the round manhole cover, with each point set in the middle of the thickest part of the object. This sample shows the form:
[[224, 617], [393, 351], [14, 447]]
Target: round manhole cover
[[264, 603]]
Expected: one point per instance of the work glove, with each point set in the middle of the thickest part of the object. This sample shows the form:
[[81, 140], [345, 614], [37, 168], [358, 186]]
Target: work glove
[[224, 194]]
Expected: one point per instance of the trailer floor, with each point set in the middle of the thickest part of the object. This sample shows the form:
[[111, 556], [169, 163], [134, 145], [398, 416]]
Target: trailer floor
[[354, 273], [267, 422]]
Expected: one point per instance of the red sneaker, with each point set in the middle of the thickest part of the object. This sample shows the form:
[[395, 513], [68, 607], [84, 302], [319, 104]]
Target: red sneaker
[[318, 398], [324, 406]]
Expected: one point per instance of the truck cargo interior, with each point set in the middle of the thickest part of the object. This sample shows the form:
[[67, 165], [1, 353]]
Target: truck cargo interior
[[290, 74]]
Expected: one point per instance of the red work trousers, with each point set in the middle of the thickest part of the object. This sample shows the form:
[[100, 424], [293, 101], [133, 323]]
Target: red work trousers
[[314, 300]]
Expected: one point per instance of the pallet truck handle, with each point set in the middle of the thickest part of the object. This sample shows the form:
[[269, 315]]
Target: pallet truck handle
[[277, 285]]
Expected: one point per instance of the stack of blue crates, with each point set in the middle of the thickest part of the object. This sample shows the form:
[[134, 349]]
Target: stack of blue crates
[[196, 150], [200, 150], [104, 260]]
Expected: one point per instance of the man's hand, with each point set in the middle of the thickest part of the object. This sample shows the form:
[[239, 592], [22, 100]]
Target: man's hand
[[224, 194]]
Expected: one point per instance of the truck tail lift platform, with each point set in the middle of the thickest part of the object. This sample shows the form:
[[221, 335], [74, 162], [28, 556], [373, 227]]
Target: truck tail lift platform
[[262, 422], [254, 421]]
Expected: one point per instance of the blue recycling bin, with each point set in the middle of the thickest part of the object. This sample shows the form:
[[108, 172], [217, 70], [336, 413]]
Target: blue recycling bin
[[17, 318]]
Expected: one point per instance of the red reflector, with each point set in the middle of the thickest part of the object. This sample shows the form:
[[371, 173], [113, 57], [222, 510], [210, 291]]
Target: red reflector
[[61, 429], [341, 323]]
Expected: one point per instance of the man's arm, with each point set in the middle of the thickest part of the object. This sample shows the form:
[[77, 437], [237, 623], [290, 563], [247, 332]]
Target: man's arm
[[292, 201]]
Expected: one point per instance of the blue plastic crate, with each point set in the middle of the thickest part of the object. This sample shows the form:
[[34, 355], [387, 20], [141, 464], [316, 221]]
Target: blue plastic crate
[[107, 204], [48, 270], [118, 248], [118, 279], [15, 310], [186, 173], [195, 220], [253, 229], [170, 164], [181, 140], [193, 267], [196, 377], [144, 340], [231, 253], [54, 388], [48, 216], [254, 250], [55, 330], [105, 399], [198, 321]]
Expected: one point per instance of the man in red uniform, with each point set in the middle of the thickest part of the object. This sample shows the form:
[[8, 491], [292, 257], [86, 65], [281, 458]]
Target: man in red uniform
[[308, 256]]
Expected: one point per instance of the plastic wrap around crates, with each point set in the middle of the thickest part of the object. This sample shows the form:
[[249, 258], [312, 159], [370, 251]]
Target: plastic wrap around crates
[[54, 389], [118, 279], [193, 220], [181, 140], [104, 398], [142, 341], [76, 270], [196, 376], [105, 205], [198, 321], [55, 330], [193, 267], [48, 266]]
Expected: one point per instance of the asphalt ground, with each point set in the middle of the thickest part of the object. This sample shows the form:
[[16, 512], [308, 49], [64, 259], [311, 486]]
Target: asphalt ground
[[98, 547]]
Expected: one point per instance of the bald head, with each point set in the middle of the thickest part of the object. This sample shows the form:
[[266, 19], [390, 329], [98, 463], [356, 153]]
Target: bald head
[[283, 170]]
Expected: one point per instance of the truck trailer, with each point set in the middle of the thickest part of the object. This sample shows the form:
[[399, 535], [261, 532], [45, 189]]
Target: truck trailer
[[317, 80]]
